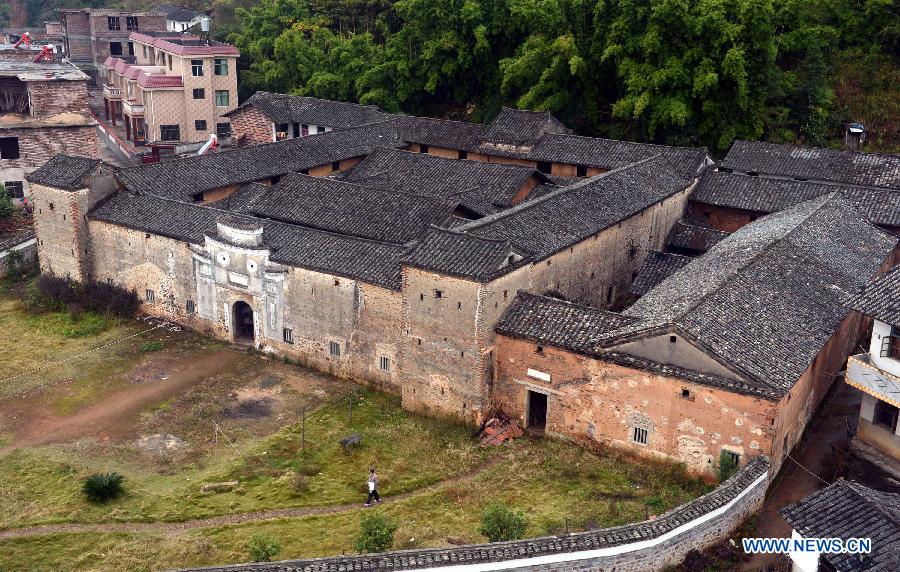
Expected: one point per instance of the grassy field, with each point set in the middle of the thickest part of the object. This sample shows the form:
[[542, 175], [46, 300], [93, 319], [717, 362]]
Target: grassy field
[[239, 418]]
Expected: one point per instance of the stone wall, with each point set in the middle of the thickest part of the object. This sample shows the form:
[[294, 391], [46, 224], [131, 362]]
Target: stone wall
[[598, 402], [64, 243], [642, 547]]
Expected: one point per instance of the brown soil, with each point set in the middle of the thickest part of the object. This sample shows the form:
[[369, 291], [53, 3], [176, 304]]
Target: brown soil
[[114, 415]]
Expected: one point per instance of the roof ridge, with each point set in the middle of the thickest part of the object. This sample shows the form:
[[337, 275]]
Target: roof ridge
[[837, 185], [560, 301], [527, 204], [660, 145], [385, 192], [826, 149], [851, 485], [454, 231]]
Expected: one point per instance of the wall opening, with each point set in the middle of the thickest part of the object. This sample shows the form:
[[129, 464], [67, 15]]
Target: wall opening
[[537, 411], [243, 323]]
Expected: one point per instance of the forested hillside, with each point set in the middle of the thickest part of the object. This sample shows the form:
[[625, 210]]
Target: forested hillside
[[679, 71]]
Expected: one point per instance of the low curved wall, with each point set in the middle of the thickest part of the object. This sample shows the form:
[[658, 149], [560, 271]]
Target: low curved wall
[[649, 545]]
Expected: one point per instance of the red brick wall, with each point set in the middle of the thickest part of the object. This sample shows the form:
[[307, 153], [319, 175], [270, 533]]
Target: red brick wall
[[52, 97], [250, 126], [599, 402], [722, 218]]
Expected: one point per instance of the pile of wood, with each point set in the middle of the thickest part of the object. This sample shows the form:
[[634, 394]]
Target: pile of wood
[[498, 429]]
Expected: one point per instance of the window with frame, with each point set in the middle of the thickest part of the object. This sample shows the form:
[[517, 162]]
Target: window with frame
[[885, 415], [9, 147], [220, 66], [287, 335], [334, 348], [223, 130], [197, 68], [131, 23], [200, 124], [222, 98], [115, 48], [169, 132], [384, 363], [639, 435], [130, 48], [149, 296], [199, 93], [15, 189], [890, 345], [113, 23], [189, 307]]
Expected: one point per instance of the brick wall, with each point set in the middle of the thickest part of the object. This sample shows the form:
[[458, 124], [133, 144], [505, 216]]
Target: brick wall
[[641, 547], [722, 218], [52, 97], [598, 402], [251, 126], [78, 36], [64, 243]]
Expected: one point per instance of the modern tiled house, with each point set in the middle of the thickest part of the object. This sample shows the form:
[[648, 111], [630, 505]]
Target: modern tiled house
[[175, 89], [877, 373]]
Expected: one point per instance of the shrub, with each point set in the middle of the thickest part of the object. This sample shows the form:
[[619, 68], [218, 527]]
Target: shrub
[[376, 533], [263, 547], [152, 346], [101, 487], [111, 299], [499, 523], [57, 292], [726, 467], [6, 204], [299, 483]]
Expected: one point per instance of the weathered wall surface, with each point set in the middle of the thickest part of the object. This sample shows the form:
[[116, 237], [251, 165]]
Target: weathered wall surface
[[64, 243], [52, 97], [37, 146], [600, 402], [251, 126], [641, 547], [722, 218]]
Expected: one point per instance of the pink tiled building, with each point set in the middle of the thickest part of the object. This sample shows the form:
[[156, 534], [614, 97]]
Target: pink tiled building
[[176, 89]]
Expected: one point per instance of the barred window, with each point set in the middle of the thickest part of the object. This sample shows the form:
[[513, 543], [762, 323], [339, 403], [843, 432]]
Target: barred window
[[287, 335], [189, 306], [113, 23], [131, 22], [334, 348], [200, 124], [384, 363], [150, 296], [15, 189], [199, 93], [639, 436]]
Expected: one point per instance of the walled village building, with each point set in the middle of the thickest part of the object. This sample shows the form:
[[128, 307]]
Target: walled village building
[[467, 267]]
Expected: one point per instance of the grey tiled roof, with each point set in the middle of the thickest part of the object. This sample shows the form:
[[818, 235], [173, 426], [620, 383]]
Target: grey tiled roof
[[559, 219], [458, 135], [880, 298], [522, 128], [558, 323], [464, 255], [475, 554], [181, 179], [694, 235], [611, 154], [765, 300], [766, 195], [581, 329], [282, 108], [815, 164], [355, 210], [657, 267], [481, 187], [243, 198], [844, 510], [370, 261], [64, 172]]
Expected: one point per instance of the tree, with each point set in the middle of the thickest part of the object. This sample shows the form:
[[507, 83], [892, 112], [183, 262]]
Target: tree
[[376, 533], [263, 547], [499, 523]]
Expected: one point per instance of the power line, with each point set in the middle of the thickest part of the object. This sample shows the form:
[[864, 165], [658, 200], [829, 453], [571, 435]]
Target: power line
[[805, 469]]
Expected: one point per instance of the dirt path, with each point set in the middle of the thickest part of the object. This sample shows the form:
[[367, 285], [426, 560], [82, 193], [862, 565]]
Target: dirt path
[[231, 519], [116, 412]]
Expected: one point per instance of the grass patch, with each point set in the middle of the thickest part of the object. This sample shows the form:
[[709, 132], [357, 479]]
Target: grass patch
[[154, 346]]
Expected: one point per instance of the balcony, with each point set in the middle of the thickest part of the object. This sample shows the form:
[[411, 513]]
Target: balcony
[[132, 108], [112, 93], [867, 377]]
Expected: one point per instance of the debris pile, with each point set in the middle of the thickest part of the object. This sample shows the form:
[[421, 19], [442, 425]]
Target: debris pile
[[499, 428]]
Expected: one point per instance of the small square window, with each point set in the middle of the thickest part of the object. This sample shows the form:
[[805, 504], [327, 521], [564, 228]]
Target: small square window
[[169, 132], [462, 155], [438, 293], [115, 48], [334, 348], [544, 167], [15, 189], [113, 23], [222, 98], [384, 363], [197, 68], [200, 124], [639, 436], [336, 166], [131, 22], [149, 296], [337, 282], [581, 171], [9, 147], [199, 93], [223, 130], [686, 393], [220, 66], [539, 349], [189, 307], [423, 149], [109, 281], [287, 335], [673, 339]]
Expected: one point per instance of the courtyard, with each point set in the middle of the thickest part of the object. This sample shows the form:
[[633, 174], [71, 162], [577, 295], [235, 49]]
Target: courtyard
[[174, 411]]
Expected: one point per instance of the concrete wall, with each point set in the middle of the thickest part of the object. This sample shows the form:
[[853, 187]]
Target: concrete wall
[[599, 402], [877, 435], [672, 349], [880, 331]]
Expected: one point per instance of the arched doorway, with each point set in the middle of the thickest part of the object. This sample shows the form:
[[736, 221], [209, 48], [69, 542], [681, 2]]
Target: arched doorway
[[243, 323]]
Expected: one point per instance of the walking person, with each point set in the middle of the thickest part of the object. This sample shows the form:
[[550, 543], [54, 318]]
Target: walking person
[[373, 487]]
